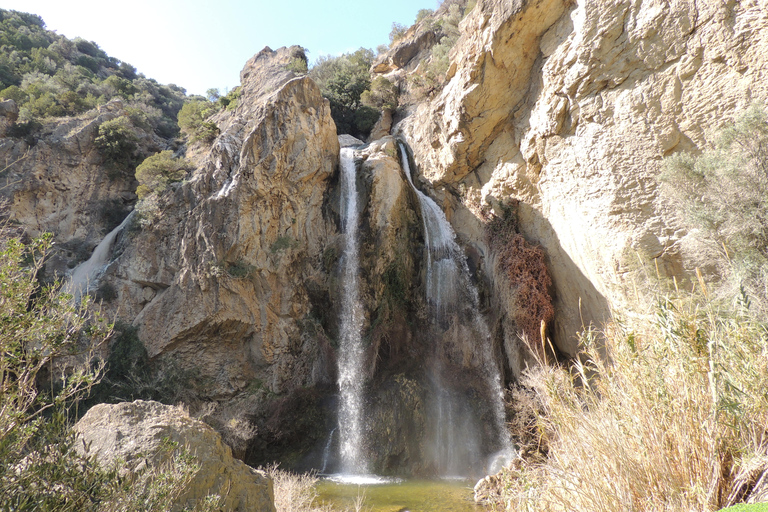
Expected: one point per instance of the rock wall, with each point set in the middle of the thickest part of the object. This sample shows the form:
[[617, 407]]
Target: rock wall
[[220, 278], [56, 180], [570, 108]]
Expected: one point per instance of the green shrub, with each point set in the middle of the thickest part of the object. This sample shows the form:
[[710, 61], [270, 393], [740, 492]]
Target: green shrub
[[397, 32], [297, 65], [157, 171], [118, 144], [193, 120], [423, 13], [381, 95], [229, 100], [343, 80], [724, 194]]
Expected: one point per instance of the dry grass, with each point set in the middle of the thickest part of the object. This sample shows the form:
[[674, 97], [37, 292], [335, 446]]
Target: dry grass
[[297, 493], [669, 415]]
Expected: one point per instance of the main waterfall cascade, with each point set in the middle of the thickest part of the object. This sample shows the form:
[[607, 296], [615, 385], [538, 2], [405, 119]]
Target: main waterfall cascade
[[351, 377], [456, 419], [453, 300]]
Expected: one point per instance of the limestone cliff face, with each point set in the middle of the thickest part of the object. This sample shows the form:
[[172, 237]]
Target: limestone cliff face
[[220, 280], [57, 181], [570, 108]]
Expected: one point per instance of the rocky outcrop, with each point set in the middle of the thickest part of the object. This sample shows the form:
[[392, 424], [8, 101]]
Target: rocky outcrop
[[136, 436], [571, 108], [220, 279], [56, 180], [9, 113]]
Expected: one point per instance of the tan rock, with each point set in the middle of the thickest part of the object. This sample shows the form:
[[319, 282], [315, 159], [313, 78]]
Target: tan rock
[[235, 250], [594, 96], [134, 435]]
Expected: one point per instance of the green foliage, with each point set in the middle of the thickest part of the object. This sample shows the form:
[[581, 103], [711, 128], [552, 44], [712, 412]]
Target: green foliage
[[397, 32], [38, 328], [423, 13], [343, 80], [229, 101], [724, 193], [193, 120], [157, 171], [282, 243], [55, 76], [240, 269], [381, 95], [297, 65], [118, 143]]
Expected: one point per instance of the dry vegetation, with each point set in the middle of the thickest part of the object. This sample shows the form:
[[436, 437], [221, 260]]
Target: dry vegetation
[[668, 415], [668, 411]]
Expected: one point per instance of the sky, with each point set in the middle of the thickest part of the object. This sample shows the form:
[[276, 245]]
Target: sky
[[200, 44]]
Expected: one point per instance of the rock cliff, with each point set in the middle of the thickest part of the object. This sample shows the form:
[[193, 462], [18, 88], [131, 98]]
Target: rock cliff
[[570, 108], [221, 275], [57, 180]]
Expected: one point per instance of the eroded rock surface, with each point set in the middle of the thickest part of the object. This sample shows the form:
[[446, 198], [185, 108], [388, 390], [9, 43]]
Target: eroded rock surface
[[136, 436], [571, 108]]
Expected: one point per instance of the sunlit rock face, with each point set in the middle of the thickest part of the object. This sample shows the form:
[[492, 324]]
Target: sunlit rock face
[[570, 107], [221, 279], [57, 181]]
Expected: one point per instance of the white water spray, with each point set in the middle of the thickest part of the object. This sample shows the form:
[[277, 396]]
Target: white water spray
[[351, 351], [447, 277], [84, 275]]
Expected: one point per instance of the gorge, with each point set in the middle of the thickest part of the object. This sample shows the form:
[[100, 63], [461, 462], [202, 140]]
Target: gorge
[[370, 308]]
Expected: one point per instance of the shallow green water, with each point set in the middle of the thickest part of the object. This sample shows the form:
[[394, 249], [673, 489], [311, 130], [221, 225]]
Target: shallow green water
[[411, 495]]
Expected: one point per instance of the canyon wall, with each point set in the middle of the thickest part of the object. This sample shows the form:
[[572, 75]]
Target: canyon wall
[[570, 107]]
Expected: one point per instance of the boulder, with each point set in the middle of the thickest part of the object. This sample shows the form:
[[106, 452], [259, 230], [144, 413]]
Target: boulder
[[135, 435]]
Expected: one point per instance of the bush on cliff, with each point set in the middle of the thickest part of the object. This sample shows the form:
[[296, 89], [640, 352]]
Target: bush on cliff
[[193, 120], [156, 172], [343, 80], [723, 193]]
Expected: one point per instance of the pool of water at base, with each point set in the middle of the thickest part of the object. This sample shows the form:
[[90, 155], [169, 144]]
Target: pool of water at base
[[396, 495]]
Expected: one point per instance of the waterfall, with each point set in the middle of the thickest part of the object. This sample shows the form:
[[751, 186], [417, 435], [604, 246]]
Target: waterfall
[[449, 290], [85, 274], [351, 351]]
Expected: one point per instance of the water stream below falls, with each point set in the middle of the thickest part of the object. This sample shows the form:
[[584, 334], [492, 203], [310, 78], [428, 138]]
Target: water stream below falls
[[399, 495]]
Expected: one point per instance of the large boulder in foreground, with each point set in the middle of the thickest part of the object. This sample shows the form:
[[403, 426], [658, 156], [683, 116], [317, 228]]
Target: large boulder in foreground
[[137, 433]]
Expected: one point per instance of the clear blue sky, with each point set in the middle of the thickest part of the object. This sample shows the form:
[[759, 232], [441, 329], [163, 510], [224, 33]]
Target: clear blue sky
[[202, 44]]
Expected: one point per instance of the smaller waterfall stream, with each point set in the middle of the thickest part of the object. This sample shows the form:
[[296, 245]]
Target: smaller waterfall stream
[[85, 274], [449, 290], [351, 377]]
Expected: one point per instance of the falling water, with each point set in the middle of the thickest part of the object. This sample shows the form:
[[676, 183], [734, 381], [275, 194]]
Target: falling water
[[85, 274], [449, 289], [351, 350], [327, 451]]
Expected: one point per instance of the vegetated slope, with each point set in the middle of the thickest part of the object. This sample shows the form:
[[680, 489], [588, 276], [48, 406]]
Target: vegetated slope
[[74, 125], [48, 75]]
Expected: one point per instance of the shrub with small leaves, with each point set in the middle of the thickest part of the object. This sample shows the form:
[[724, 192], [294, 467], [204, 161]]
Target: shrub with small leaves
[[157, 171], [118, 143]]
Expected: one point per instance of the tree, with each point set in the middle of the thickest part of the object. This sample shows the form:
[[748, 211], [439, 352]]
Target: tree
[[343, 80], [193, 120], [118, 143], [157, 171]]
